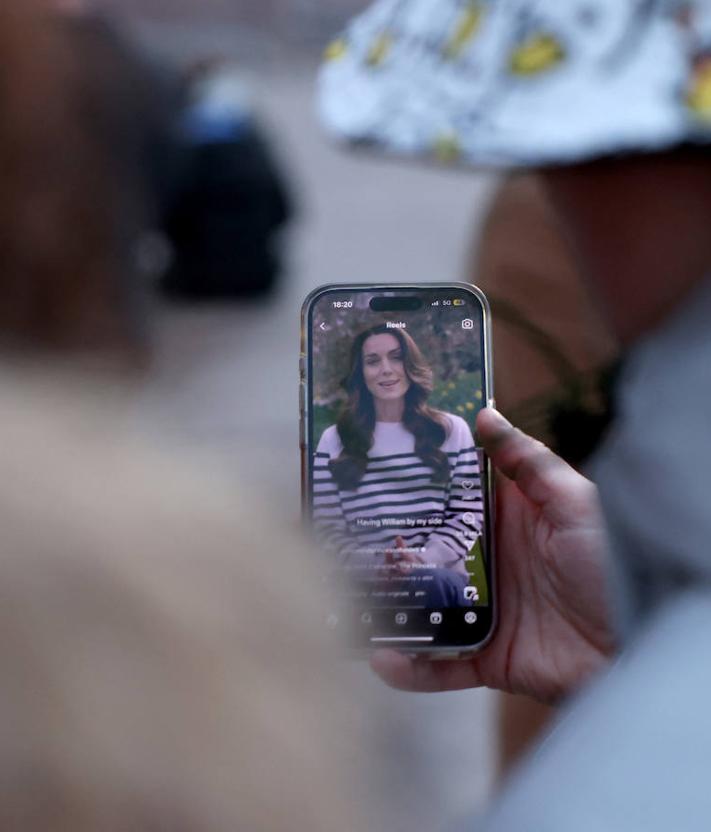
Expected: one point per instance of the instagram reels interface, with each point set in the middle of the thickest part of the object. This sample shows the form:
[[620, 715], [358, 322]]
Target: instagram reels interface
[[397, 485]]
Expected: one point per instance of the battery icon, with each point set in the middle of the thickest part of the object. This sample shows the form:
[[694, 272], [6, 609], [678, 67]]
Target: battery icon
[[458, 302]]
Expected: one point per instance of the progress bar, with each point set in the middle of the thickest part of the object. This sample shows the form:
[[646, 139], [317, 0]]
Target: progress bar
[[403, 638]]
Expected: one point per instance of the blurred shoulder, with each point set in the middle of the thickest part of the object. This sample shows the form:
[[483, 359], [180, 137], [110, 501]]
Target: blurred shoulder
[[87, 494], [81, 478]]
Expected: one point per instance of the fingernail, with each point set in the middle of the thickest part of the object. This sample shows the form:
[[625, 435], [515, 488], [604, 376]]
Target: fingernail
[[503, 421]]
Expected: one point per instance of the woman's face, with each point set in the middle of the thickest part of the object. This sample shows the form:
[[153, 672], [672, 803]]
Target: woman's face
[[383, 368]]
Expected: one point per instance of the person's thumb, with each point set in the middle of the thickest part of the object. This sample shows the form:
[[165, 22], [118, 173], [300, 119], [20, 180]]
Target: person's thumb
[[542, 476]]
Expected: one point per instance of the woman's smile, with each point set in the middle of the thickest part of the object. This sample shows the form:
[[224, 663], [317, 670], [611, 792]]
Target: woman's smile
[[391, 388]]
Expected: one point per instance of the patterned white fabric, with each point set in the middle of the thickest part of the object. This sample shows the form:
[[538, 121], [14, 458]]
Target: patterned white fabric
[[512, 83]]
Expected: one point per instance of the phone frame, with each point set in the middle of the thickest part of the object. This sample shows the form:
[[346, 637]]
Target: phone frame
[[453, 651]]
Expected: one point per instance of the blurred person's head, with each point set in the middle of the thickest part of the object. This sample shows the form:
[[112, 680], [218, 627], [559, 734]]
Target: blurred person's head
[[64, 278], [69, 6], [164, 663], [640, 230]]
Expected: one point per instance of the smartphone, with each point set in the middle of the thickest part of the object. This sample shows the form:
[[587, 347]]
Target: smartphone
[[395, 489]]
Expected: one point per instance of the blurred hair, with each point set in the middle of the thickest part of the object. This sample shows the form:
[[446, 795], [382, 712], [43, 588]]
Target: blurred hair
[[163, 661], [61, 280], [356, 423]]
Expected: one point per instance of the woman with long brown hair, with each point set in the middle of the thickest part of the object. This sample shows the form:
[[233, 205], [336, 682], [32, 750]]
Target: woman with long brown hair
[[397, 494]]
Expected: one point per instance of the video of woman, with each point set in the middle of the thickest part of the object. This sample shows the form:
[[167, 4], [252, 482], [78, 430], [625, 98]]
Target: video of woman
[[397, 495]]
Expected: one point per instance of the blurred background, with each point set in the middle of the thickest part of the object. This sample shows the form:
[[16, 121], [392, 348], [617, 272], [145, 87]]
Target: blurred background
[[245, 207]]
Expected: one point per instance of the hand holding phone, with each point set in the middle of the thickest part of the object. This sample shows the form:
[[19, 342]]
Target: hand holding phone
[[555, 624], [400, 559]]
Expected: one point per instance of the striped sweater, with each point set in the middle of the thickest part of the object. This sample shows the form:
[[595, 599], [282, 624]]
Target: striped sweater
[[397, 498]]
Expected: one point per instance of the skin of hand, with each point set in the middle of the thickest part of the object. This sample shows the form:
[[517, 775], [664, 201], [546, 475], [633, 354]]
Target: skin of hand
[[399, 560], [554, 628]]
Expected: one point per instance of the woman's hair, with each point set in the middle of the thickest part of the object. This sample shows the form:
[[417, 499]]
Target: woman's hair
[[356, 423], [62, 282]]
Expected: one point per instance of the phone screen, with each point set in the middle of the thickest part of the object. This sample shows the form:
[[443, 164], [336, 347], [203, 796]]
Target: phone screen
[[396, 487]]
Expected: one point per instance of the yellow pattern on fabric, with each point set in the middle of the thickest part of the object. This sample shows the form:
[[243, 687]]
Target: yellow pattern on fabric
[[467, 27], [447, 148], [380, 50], [537, 54], [336, 50], [698, 97]]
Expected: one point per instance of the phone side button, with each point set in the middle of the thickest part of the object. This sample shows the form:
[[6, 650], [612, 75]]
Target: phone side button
[[302, 414]]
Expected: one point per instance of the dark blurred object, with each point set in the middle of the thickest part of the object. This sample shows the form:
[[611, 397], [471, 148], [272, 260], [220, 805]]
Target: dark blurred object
[[572, 416], [226, 220], [582, 413]]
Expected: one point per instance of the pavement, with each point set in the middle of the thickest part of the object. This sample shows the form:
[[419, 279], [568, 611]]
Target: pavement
[[225, 386]]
